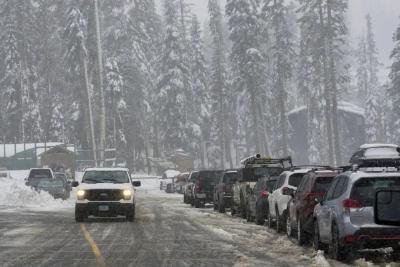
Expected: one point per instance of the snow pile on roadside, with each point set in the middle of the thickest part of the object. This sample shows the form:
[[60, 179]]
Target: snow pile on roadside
[[152, 187], [320, 259], [15, 194]]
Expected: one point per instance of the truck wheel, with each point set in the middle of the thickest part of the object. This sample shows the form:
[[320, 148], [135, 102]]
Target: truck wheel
[[130, 216], [191, 200], [260, 218], [221, 206], [336, 250], [300, 232], [196, 203], [80, 215]]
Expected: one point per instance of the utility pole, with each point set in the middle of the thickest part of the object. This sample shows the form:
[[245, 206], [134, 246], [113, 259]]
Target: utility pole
[[100, 83]]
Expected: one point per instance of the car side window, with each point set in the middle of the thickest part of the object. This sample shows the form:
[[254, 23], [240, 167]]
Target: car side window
[[340, 187], [329, 194], [303, 183], [281, 181]]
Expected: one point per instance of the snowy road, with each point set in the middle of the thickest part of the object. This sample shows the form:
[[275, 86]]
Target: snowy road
[[166, 232]]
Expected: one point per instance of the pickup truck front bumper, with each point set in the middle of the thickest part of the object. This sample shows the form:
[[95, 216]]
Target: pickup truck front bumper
[[104, 209]]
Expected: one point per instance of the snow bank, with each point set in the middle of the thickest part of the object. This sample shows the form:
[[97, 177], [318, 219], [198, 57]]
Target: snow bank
[[15, 194], [320, 259]]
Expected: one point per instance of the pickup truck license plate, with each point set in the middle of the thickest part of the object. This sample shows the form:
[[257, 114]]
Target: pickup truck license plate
[[104, 208]]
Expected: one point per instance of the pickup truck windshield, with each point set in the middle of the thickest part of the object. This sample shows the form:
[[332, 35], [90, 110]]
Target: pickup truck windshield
[[115, 177]]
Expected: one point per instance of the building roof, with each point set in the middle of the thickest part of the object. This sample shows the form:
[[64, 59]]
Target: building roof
[[12, 149]]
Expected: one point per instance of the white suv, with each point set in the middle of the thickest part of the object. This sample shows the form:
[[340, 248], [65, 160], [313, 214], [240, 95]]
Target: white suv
[[105, 192], [278, 200]]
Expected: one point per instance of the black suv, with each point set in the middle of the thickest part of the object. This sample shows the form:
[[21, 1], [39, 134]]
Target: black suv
[[223, 190], [257, 203], [203, 189]]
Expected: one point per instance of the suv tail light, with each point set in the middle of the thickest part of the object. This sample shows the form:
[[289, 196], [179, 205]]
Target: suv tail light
[[349, 204], [264, 194], [197, 187]]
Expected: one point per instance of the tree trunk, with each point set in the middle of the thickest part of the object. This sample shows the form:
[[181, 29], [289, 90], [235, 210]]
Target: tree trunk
[[89, 111], [327, 95], [100, 82], [335, 117], [254, 113]]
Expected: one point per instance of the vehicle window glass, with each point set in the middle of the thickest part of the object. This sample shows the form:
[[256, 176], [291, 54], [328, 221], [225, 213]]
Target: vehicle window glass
[[230, 177], [93, 177], [295, 179], [210, 176], [44, 173], [270, 185], [365, 188], [253, 174], [340, 187], [322, 184], [303, 182], [331, 190], [281, 181]]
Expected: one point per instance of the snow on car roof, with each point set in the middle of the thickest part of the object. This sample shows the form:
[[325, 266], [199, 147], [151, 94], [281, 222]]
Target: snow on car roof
[[171, 173], [365, 146]]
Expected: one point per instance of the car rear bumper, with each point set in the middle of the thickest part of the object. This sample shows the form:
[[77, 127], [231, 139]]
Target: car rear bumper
[[374, 238], [205, 197], [114, 208]]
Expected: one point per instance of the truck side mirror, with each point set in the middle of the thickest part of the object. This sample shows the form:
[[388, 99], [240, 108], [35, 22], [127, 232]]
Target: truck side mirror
[[74, 184]]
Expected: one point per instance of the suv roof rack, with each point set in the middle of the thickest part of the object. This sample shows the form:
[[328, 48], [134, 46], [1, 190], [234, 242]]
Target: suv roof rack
[[258, 160], [312, 167]]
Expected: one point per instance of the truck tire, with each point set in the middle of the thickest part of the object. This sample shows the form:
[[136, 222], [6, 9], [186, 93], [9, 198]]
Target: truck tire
[[130, 216], [221, 206], [260, 217], [80, 215]]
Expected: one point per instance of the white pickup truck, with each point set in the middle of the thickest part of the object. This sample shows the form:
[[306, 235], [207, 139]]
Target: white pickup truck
[[105, 192]]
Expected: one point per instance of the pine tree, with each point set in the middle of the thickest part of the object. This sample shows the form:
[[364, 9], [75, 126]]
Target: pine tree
[[248, 60], [171, 91], [394, 89], [282, 56], [76, 59], [217, 88]]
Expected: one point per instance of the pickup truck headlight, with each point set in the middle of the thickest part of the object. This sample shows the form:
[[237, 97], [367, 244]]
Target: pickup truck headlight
[[81, 194], [127, 194]]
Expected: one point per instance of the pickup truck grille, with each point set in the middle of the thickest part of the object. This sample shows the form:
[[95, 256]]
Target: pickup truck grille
[[104, 195]]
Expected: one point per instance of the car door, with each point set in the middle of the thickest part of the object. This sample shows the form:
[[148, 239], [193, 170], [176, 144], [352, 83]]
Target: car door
[[323, 215], [297, 202], [272, 200]]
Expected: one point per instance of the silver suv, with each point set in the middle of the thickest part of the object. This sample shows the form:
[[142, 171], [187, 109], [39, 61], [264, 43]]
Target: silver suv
[[344, 221]]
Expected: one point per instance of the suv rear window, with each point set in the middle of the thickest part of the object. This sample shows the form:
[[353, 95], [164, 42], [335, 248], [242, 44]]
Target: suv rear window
[[364, 189], [295, 179], [253, 174], [40, 173], [322, 184], [209, 175], [230, 177]]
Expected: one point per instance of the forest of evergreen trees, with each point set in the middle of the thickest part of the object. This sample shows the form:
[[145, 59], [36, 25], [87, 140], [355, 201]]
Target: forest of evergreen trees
[[148, 78]]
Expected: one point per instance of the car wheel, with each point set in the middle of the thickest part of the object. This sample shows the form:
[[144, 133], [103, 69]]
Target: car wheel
[[336, 251], [233, 211], [248, 214], [196, 203], [300, 232], [289, 229], [130, 216], [270, 222], [80, 215], [221, 206], [278, 224], [191, 202], [317, 245], [260, 218], [215, 205]]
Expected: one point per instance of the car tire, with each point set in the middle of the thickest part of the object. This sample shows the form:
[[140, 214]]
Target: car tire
[[80, 215], [215, 205], [278, 223], [191, 200], [233, 211], [221, 206], [260, 218], [336, 250], [300, 232], [270, 221], [130, 216], [196, 203], [289, 228], [317, 244]]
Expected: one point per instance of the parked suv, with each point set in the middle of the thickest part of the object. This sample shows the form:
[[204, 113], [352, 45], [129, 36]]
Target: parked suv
[[257, 204], [223, 190], [203, 189], [254, 168], [36, 174], [345, 219], [279, 198], [187, 189], [301, 208], [105, 192]]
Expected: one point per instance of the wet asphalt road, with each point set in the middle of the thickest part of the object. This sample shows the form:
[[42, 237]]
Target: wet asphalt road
[[166, 232]]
